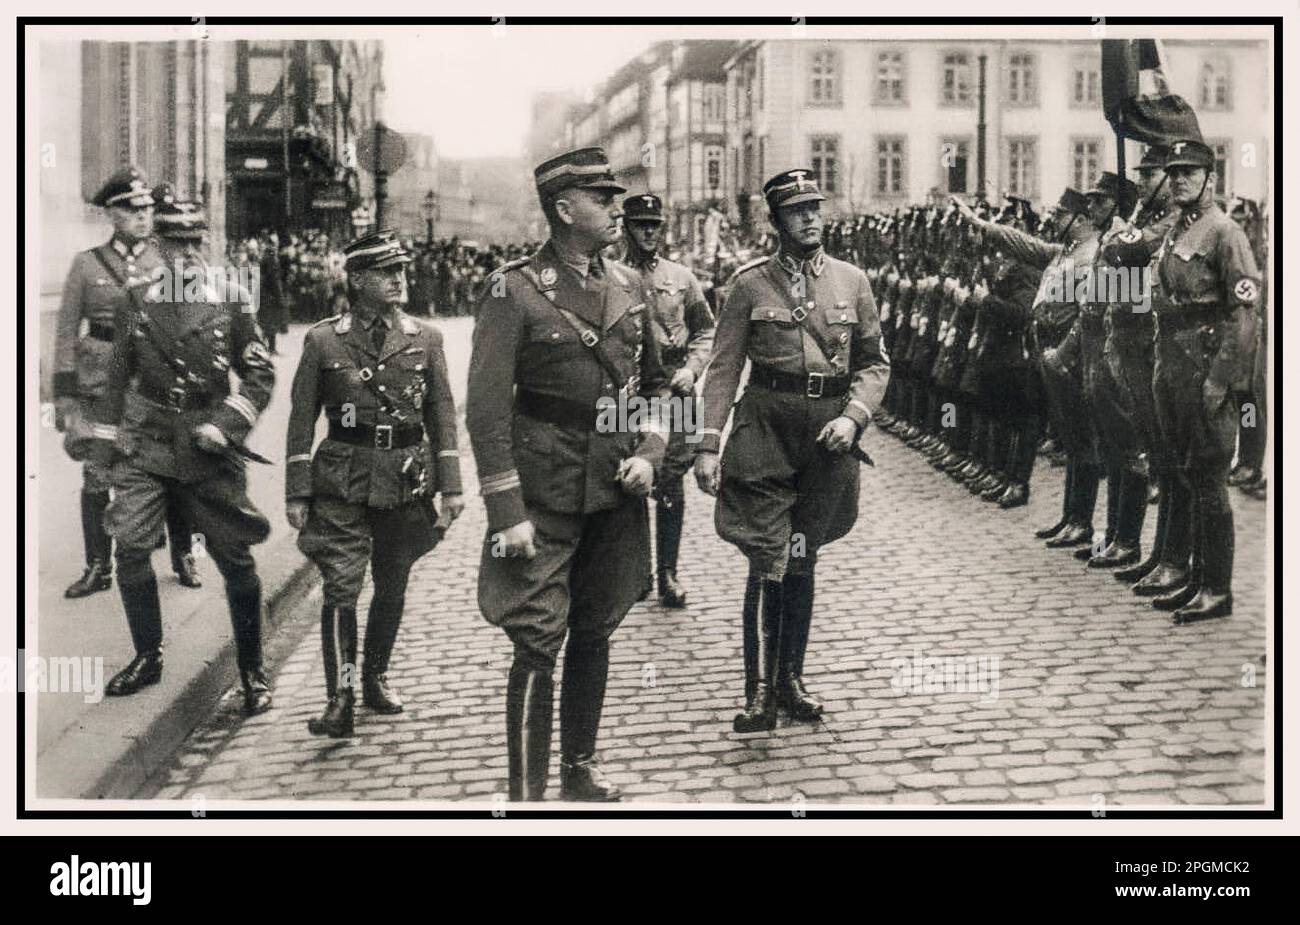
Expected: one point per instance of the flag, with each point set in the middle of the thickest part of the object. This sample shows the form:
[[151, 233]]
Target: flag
[[1135, 95]]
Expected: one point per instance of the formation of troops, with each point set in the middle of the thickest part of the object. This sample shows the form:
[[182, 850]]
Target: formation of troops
[[960, 330]]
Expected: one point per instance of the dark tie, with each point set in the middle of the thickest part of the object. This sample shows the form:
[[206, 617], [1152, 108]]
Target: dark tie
[[378, 334]]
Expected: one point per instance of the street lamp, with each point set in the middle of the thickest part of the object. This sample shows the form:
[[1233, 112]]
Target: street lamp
[[430, 213]]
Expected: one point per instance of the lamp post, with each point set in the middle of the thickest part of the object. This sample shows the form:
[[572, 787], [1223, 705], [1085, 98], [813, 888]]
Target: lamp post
[[430, 212]]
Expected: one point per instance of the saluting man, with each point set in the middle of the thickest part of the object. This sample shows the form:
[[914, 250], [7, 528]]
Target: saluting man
[[367, 494], [1207, 285], [682, 324], [560, 337], [96, 286], [787, 484], [178, 438]]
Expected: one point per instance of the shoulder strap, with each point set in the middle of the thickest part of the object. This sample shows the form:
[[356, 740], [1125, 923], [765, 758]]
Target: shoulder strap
[[814, 325], [108, 267], [368, 380], [590, 339]]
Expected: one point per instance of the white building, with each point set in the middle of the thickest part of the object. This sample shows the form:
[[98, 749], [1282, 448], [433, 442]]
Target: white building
[[885, 123]]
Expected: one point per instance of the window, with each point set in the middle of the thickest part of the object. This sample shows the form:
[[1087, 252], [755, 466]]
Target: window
[[1087, 160], [1216, 84], [1022, 80], [1085, 83], [1222, 161], [955, 162], [713, 168], [1022, 167], [957, 78], [713, 102], [825, 157], [889, 77], [889, 166], [824, 78]]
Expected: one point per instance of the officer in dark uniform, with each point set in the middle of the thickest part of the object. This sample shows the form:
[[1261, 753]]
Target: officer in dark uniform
[[1130, 355], [96, 286], [1252, 390], [1207, 283], [682, 324], [179, 434], [787, 484], [367, 495], [560, 339]]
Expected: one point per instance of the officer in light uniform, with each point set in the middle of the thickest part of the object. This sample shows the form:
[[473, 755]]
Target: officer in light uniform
[[96, 286], [682, 324], [367, 494], [178, 434], [787, 484], [561, 338], [1207, 286]]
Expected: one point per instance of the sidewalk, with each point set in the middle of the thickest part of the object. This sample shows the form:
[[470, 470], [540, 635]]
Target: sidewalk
[[110, 747]]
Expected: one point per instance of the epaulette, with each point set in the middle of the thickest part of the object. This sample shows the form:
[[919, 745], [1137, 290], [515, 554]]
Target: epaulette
[[512, 265], [330, 320], [758, 262]]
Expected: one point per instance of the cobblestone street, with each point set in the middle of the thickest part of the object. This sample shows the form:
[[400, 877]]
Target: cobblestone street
[[1095, 698]]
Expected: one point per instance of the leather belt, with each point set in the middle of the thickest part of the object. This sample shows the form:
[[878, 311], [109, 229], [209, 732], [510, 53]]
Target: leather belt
[[379, 436], [100, 331], [1192, 315], [176, 398], [555, 410], [811, 385]]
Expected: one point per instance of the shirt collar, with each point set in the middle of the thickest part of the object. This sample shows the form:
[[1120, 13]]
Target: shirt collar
[[810, 266], [368, 318]]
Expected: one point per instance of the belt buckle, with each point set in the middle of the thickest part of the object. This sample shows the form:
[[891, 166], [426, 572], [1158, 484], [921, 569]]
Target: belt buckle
[[365, 373], [799, 313], [816, 382], [589, 338], [176, 397], [383, 436]]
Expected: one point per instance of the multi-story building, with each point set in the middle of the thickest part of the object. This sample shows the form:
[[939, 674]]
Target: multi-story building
[[408, 204], [661, 119], [297, 112], [887, 123], [101, 105]]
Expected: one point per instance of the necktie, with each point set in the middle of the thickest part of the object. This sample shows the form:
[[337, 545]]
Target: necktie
[[378, 334]]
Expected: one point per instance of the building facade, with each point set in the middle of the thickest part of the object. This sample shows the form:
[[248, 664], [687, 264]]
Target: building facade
[[297, 114], [885, 124]]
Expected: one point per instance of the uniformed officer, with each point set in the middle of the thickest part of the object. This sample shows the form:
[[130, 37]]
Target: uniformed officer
[[787, 484], [367, 494], [179, 434], [1207, 283], [1252, 392], [560, 340], [1054, 311], [96, 286], [682, 324]]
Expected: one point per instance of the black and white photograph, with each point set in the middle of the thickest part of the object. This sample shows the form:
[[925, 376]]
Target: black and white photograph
[[756, 417]]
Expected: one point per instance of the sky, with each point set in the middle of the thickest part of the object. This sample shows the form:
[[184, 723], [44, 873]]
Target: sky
[[471, 88]]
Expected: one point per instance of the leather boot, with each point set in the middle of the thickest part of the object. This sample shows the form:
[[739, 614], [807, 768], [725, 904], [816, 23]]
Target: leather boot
[[1181, 597], [1115, 555], [99, 547], [1046, 533], [996, 490], [144, 618], [1072, 536], [1178, 598], [582, 699], [245, 600], [1148, 565], [179, 534], [1163, 579], [1016, 495], [187, 572], [953, 462], [382, 623], [529, 695], [797, 592], [759, 714], [1206, 605], [669, 516], [338, 638]]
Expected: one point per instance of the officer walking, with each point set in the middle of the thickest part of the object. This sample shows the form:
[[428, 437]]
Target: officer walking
[[178, 432], [367, 494], [1207, 285], [787, 485], [682, 325], [96, 287], [560, 338]]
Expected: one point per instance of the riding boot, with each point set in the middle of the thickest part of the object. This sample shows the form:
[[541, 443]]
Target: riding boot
[[797, 603], [144, 618], [669, 516], [338, 639], [1216, 550], [582, 698], [1181, 597], [245, 600], [98, 546], [1046, 533], [528, 730], [1148, 565], [382, 622], [759, 714]]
